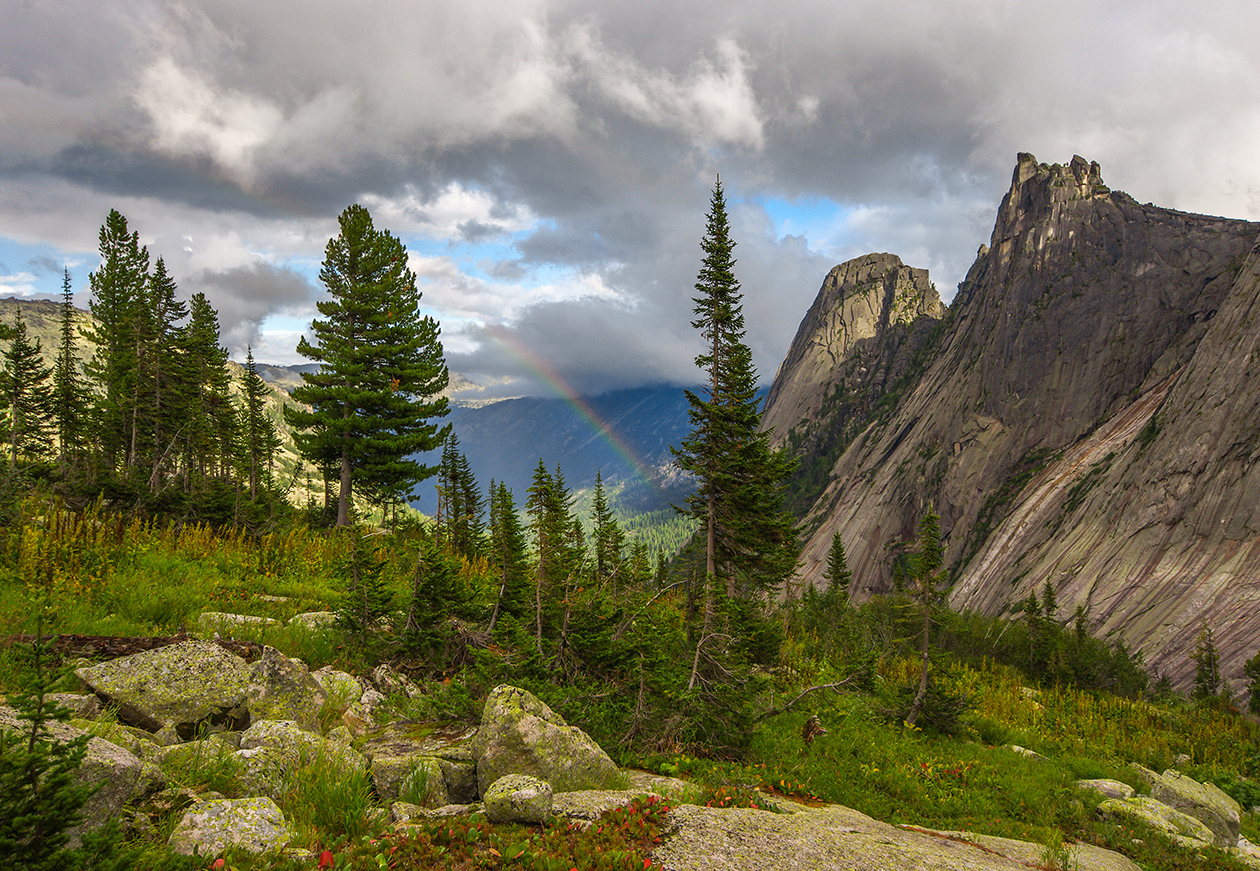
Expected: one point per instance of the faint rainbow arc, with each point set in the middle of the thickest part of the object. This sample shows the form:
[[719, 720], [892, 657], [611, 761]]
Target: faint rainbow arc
[[553, 380]]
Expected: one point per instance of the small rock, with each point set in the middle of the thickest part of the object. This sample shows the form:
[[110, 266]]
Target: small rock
[[255, 825], [518, 798], [1108, 788]]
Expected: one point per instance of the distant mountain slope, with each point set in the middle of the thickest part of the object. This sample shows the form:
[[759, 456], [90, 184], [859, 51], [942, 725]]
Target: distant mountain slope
[[1085, 416], [625, 434]]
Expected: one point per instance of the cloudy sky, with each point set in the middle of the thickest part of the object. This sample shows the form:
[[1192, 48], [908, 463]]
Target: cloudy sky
[[548, 164]]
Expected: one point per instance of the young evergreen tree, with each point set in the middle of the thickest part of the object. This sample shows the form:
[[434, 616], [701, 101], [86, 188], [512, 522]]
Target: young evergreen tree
[[507, 556], [837, 573], [208, 431], [927, 579], [1251, 668], [118, 295], [27, 397], [159, 411], [367, 599], [750, 541], [381, 369], [40, 798], [1207, 666], [609, 540], [259, 438], [70, 395], [461, 509]]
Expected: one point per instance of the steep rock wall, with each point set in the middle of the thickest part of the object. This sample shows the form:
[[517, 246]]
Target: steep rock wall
[[1087, 316]]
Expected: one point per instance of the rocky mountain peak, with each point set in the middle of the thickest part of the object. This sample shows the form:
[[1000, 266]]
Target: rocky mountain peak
[[1083, 416], [857, 334]]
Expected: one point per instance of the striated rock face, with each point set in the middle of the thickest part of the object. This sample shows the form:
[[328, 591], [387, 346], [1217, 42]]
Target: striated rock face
[[868, 318], [1085, 416]]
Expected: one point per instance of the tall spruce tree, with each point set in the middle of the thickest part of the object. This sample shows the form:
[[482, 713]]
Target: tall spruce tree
[[259, 440], [750, 541], [70, 396], [118, 295], [27, 397], [1207, 666], [381, 369], [927, 576], [160, 411], [209, 427], [609, 541], [507, 555]]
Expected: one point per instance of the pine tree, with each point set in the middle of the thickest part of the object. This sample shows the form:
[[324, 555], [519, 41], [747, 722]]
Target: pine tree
[[210, 426], [118, 294], [507, 555], [40, 799], [27, 399], [70, 396], [160, 411], [1251, 668], [609, 540], [260, 441], [381, 369], [1207, 666], [750, 541], [837, 573], [461, 509], [927, 578], [367, 599]]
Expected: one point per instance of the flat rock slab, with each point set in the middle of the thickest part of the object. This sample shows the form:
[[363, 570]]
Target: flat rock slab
[[1205, 802], [831, 838], [1184, 829], [184, 684], [252, 824], [1083, 857]]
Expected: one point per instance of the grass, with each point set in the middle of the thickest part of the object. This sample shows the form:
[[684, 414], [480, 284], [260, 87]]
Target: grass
[[109, 576]]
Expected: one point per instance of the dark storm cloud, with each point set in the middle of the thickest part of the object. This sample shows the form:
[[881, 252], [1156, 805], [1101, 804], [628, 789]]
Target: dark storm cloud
[[244, 296], [43, 264], [590, 133]]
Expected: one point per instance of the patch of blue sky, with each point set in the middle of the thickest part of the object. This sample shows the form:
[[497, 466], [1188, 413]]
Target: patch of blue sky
[[820, 220], [36, 270]]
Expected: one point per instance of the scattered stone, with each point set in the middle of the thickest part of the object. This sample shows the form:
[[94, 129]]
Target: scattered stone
[[1078, 856], [393, 683], [400, 812], [1186, 830], [314, 620], [518, 798], [1024, 751], [272, 750], [1205, 802], [283, 689], [82, 706], [186, 684], [1108, 788], [521, 735], [211, 623], [255, 825]]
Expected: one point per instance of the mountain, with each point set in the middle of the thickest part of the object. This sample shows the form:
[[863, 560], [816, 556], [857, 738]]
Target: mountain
[[1083, 414], [625, 435]]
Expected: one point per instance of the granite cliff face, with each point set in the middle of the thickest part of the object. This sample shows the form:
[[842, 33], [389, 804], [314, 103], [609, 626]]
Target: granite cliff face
[[1085, 414]]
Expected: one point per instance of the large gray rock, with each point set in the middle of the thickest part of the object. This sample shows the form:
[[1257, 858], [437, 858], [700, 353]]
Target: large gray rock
[[355, 705], [835, 838], [121, 775], [518, 798], [187, 685], [1205, 802], [283, 689], [1186, 830], [521, 735], [255, 825], [404, 757], [1107, 788], [273, 751]]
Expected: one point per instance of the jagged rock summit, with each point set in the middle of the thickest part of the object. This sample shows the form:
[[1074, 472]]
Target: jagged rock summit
[[1083, 415]]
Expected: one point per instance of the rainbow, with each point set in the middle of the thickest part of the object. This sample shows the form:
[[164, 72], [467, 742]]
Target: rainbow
[[556, 383]]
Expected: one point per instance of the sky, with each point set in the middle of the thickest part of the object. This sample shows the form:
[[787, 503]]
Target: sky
[[549, 164]]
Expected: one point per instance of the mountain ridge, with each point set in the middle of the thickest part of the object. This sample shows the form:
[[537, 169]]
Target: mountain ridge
[[1086, 311]]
